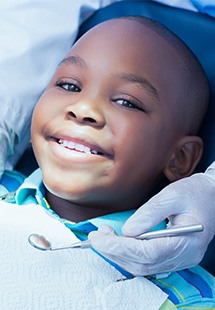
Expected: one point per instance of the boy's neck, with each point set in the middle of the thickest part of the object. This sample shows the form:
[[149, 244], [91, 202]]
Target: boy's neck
[[77, 212], [72, 211]]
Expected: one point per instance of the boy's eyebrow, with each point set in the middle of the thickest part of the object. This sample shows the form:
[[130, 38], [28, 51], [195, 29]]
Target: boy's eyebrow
[[78, 61], [133, 78]]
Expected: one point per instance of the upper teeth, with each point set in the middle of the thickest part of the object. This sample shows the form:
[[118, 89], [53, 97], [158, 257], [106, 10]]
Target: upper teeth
[[77, 146]]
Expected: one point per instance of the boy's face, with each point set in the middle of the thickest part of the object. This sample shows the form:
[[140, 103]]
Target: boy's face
[[104, 128]]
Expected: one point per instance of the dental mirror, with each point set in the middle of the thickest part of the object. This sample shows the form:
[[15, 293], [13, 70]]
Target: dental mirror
[[41, 243]]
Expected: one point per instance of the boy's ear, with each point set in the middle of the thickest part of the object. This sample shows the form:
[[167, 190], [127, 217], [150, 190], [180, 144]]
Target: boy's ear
[[184, 159]]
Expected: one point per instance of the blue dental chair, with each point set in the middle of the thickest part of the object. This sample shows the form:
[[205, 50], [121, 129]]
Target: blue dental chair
[[198, 32]]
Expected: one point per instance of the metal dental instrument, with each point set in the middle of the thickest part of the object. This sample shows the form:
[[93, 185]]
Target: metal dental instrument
[[41, 243], [175, 231]]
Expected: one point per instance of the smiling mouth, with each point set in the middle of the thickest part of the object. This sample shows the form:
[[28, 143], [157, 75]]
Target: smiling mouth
[[79, 147]]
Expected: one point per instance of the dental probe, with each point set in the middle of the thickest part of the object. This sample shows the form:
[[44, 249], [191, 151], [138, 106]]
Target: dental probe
[[41, 243]]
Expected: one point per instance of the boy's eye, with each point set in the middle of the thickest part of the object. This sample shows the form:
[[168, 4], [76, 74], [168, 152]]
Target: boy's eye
[[69, 86], [128, 103]]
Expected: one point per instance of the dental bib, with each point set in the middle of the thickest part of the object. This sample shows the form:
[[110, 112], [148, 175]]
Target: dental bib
[[69, 279]]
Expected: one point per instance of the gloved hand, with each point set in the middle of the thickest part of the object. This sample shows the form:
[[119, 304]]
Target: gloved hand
[[184, 202], [6, 147]]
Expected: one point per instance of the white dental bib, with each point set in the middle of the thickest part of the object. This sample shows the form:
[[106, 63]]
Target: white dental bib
[[68, 279]]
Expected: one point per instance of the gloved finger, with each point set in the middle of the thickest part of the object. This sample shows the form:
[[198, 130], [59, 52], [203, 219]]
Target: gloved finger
[[182, 220], [106, 229], [146, 251], [164, 205], [146, 257], [139, 268]]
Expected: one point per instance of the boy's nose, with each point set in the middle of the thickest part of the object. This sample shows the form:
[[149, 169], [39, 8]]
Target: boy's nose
[[86, 112]]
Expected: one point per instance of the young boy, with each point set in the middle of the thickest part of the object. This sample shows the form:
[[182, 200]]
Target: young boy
[[121, 113]]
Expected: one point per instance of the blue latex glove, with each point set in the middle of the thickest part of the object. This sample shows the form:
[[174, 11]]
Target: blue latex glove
[[185, 202]]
